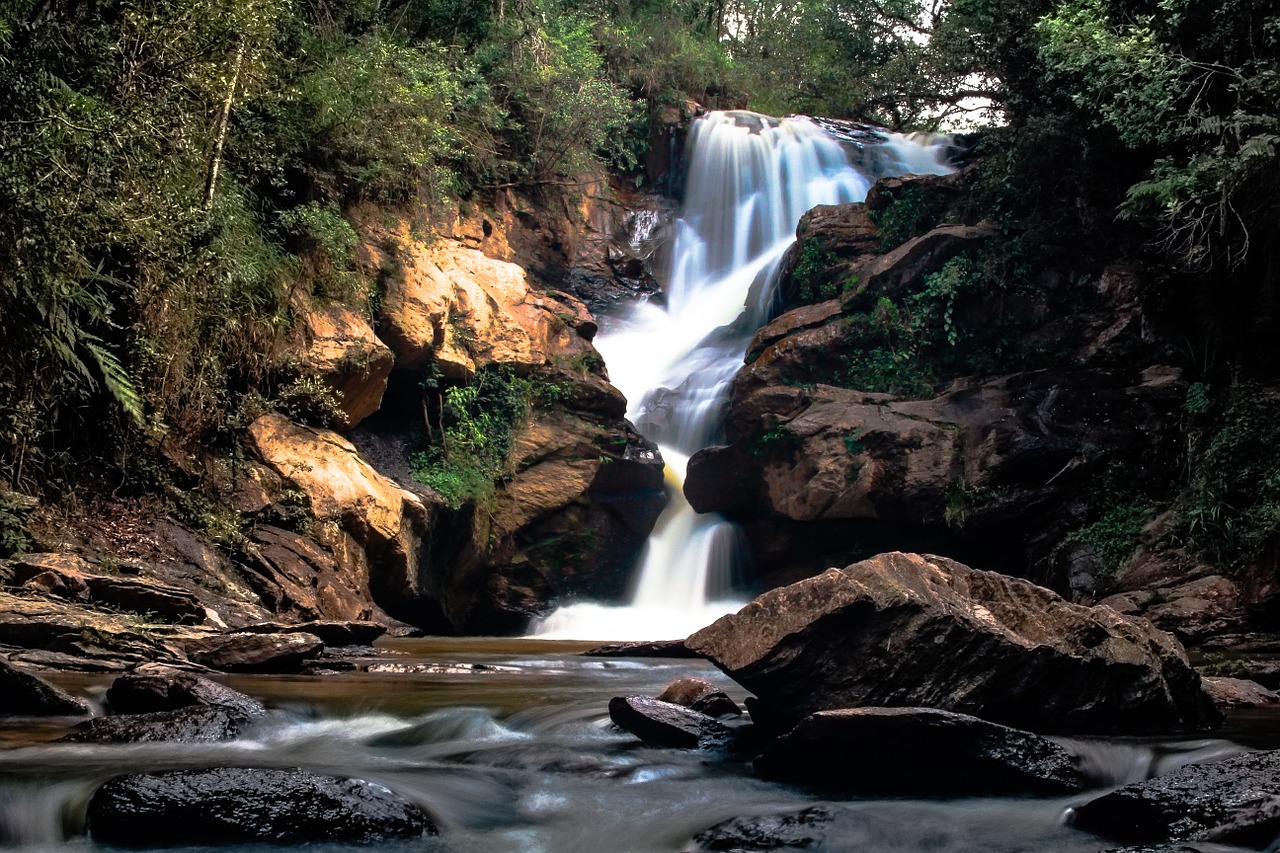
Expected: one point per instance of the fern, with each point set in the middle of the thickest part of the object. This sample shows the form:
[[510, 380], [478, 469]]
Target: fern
[[116, 379]]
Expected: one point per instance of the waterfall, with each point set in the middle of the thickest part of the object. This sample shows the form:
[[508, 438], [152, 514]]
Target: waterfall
[[750, 179]]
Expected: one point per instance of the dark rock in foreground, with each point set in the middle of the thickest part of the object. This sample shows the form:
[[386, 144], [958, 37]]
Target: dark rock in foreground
[[23, 694], [195, 724], [790, 831], [908, 630], [239, 805], [244, 652], [701, 696], [158, 688], [666, 723], [917, 752], [1235, 801]]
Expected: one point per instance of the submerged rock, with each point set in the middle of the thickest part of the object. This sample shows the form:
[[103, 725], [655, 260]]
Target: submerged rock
[[244, 805], [331, 632], [666, 723], [917, 752], [788, 831], [908, 630], [1235, 801], [23, 694]]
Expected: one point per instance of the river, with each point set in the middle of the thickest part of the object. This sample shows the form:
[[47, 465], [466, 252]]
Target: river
[[508, 745]]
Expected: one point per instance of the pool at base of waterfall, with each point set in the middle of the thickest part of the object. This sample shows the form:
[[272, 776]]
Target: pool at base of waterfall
[[508, 746]]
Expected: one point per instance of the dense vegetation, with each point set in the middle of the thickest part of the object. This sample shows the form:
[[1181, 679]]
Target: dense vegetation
[[173, 173]]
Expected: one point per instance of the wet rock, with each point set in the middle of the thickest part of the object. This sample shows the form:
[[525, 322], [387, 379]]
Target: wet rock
[[255, 652], [658, 649], [1232, 801], [194, 724], [235, 805], [665, 723], [157, 688], [333, 633], [799, 830], [917, 752], [910, 630], [25, 695], [700, 695], [1238, 692]]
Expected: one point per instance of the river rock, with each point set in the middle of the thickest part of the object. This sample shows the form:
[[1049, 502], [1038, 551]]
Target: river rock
[[332, 632], [157, 688], [244, 652], [917, 752], [666, 723], [25, 695], [1236, 800], [243, 805], [194, 724], [700, 695], [800, 830], [643, 649], [911, 630], [1238, 692]]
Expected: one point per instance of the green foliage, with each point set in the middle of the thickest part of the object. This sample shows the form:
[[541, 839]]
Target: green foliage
[[911, 211], [478, 424], [1230, 509], [811, 277], [14, 509], [1115, 534], [777, 439], [311, 400]]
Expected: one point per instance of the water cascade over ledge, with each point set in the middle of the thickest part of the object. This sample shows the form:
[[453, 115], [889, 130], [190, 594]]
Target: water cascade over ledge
[[750, 179]]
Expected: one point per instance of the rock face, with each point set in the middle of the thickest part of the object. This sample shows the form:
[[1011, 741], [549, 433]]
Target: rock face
[[342, 349], [666, 723], [23, 694], [917, 752], [910, 630], [1234, 801], [71, 577], [233, 805], [1002, 460]]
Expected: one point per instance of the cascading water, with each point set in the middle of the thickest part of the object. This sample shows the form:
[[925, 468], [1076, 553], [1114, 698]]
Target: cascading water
[[750, 179]]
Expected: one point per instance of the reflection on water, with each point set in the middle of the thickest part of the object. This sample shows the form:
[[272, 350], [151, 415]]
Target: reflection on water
[[518, 759]]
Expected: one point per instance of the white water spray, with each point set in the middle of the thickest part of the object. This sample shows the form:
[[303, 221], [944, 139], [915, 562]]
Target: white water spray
[[750, 179]]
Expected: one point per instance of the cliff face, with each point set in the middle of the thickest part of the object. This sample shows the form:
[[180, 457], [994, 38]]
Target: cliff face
[[920, 391], [328, 517]]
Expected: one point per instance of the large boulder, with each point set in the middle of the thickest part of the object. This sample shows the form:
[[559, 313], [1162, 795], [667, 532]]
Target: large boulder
[[153, 687], [342, 349], [241, 806], [192, 724], [911, 630], [917, 752], [1233, 801], [23, 694], [248, 652]]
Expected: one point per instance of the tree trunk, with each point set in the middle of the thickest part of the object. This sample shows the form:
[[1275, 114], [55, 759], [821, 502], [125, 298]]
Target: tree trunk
[[220, 129]]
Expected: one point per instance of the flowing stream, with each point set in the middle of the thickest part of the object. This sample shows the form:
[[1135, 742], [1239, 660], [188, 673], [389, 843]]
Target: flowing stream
[[750, 179], [508, 745]]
